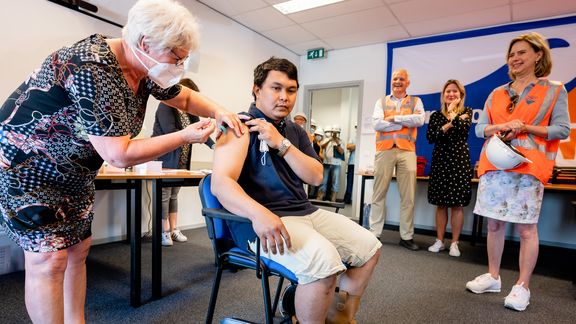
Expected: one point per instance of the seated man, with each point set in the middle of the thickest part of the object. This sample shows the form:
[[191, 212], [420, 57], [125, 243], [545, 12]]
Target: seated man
[[267, 187]]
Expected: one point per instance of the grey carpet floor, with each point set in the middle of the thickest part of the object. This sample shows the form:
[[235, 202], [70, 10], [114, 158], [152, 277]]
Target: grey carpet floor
[[407, 287]]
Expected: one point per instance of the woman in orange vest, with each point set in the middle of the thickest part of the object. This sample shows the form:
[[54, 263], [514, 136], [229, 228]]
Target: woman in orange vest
[[531, 113]]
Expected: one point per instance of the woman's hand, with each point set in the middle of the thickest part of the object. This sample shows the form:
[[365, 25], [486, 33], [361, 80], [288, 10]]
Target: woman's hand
[[266, 132], [452, 108], [512, 128], [198, 132], [225, 118]]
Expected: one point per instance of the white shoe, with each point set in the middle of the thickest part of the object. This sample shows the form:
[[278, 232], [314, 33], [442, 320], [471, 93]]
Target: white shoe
[[178, 236], [484, 283], [166, 239], [454, 251], [437, 246], [518, 298]]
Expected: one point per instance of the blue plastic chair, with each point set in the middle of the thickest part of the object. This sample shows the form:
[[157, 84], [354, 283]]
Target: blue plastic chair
[[229, 256]]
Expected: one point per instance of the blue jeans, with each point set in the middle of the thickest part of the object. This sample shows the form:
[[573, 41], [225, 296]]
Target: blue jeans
[[349, 183], [331, 171]]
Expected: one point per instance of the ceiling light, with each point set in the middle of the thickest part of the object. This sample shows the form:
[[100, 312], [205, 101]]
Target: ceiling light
[[293, 6]]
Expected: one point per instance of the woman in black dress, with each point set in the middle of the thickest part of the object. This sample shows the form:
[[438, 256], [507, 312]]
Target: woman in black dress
[[451, 172]]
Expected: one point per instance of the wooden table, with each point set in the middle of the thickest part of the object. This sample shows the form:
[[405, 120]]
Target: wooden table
[[368, 175], [478, 220], [132, 181]]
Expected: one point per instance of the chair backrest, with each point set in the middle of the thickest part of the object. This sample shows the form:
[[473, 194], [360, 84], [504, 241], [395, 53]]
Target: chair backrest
[[217, 228]]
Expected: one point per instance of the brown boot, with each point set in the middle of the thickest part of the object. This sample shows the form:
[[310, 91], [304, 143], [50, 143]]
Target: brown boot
[[344, 307], [320, 195], [333, 196]]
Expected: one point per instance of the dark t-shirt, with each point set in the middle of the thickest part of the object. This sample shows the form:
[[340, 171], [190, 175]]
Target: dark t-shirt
[[268, 179]]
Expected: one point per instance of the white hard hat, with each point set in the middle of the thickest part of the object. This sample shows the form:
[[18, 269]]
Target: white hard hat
[[503, 156], [336, 128], [319, 131], [328, 129], [300, 114], [313, 122]]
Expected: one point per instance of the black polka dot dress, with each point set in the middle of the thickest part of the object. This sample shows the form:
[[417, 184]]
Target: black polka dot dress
[[451, 171]]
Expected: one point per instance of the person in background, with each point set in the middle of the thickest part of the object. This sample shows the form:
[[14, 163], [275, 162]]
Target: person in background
[[316, 144], [313, 126], [395, 119], [85, 104], [531, 113], [300, 120], [166, 121], [333, 158], [449, 186], [351, 147], [312, 243]]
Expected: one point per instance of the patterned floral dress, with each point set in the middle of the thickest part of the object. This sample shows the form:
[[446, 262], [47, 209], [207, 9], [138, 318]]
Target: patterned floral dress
[[451, 172], [47, 164]]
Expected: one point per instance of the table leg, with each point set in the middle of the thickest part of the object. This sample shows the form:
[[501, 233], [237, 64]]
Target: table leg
[[129, 211], [157, 239], [136, 246], [474, 235], [362, 192]]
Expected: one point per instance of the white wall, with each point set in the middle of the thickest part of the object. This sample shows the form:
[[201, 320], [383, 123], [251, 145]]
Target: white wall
[[366, 63], [228, 53]]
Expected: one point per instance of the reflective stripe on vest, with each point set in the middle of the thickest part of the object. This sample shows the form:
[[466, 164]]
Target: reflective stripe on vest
[[534, 109], [404, 138]]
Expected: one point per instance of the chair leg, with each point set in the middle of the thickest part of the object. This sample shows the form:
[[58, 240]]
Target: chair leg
[[266, 295], [214, 295], [277, 296]]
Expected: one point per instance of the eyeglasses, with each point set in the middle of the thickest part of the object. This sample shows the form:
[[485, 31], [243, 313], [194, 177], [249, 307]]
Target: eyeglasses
[[513, 102], [179, 60]]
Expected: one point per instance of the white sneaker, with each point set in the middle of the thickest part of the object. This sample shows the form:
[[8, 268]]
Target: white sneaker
[[178, 236], [437, 246], [518, 298], [484, 283], [454, 251], [166, 239]]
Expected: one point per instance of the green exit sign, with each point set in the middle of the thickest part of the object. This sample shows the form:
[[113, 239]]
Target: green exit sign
[[316, 53]]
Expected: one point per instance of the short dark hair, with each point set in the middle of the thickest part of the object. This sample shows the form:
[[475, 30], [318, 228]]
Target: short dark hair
[[274, 64], [189, 84]]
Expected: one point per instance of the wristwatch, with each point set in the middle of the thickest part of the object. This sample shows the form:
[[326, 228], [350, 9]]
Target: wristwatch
[[284, 146]]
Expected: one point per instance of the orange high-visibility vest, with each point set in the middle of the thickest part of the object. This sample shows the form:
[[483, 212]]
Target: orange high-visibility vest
[[404, 138], [534, 109]]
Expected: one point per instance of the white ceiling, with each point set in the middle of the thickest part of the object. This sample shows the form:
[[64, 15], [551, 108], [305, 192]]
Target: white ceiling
[[352, 23]]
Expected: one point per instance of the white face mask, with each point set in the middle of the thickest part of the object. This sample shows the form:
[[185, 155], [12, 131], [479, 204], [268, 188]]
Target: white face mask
[[164, 75]]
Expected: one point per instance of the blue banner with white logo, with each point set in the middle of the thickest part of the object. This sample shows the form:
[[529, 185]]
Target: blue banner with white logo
[[477, 59]]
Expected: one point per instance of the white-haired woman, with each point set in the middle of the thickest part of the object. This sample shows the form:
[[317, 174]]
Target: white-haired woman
[[83, 105]]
